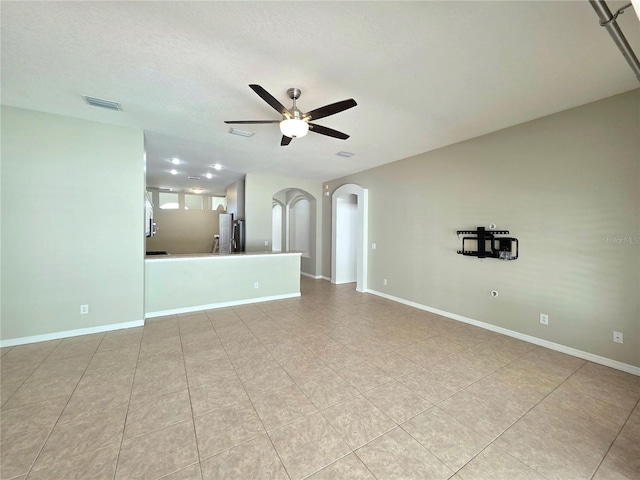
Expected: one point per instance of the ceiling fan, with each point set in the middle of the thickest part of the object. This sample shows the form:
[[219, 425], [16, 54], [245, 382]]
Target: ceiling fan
[[296, 124]]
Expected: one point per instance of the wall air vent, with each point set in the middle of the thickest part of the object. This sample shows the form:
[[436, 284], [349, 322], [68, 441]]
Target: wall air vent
[[100, 102]]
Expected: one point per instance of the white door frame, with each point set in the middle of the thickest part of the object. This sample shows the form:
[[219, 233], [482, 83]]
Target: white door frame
[[362, 228]]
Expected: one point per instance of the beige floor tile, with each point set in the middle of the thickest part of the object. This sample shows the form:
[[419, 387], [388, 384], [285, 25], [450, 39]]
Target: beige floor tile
[[452, 442], [498, 393], [309, 369], [158, 453], [98, 465], [41, 389], [20, 451], [77, 349], [429, 351], [555, 358], [72, 439], [610, 376], [161, 385], [266, 379], [547, 422], [93, 398], [349, 467], [358, 421], [487, 419], [255, 459], [217, 394], [397, 455], [394, 365], [200, 369], [587, 407], [325, 393], [534, 385], [364, 376], [549, 371], [552, 459], [397, 401], [615, 394], [192, 472], [226, 427], [65, 366], [283, 406], [31, 418], [308, 445], [457, 371], [162, 346], [623, 459], [337, 356], [157, 413], [429, 385], [118, 359], [495, 464]]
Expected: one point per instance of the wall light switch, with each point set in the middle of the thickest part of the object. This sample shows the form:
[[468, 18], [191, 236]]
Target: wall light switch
[[84, 309], [373, 246]]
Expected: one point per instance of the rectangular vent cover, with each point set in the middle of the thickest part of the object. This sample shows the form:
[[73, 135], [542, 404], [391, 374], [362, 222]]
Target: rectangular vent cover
[[100, 102]]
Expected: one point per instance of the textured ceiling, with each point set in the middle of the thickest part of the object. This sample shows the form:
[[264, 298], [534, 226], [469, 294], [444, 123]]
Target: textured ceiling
[[424, 74]]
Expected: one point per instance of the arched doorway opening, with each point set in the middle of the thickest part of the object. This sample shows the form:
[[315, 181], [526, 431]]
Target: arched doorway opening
[[349, 236]]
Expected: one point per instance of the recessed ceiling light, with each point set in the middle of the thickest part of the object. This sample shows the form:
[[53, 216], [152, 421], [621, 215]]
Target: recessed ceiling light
[[175, 161], [242, 133], [217, 166], [197, 190], [345, 154], [102, 103], [209, 175], [173, 172]]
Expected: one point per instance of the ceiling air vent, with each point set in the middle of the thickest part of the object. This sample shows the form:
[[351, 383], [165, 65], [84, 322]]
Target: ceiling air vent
[[345, 154], [193, 177], [100, 102]]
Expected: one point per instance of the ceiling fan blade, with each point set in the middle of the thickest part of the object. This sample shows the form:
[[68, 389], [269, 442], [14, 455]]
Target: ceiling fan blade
[[327, 131], [247, 122], [285, 141], [267, 97], [330, 109]]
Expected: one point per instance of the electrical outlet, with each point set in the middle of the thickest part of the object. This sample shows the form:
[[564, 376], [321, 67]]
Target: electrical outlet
[[84, 309], [544, 319], [256, 285], [373, 246], [266, 243], [384, 281], [617, 337]]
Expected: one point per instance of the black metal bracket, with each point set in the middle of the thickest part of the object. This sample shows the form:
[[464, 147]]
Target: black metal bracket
[[488, 245]]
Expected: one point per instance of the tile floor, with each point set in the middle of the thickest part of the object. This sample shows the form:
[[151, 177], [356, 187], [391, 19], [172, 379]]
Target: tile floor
[[331, 385]]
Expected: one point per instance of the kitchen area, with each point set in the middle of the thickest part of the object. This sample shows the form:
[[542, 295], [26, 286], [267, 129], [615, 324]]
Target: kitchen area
[[195, 255]]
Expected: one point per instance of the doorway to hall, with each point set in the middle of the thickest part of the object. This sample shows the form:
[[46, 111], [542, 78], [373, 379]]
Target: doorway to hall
[[349, 239]]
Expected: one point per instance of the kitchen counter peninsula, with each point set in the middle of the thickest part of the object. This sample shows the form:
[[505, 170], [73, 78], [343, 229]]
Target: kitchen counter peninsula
[[182, 283]]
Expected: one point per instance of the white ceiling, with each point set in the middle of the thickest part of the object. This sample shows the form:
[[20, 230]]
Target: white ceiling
[[424, 74]]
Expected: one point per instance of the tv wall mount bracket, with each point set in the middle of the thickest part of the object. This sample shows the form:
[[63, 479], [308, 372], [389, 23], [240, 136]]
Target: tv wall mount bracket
[[488, 244]]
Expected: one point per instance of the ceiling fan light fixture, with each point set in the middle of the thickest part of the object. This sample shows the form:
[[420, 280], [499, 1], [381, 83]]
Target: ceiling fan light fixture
[[294, 127]]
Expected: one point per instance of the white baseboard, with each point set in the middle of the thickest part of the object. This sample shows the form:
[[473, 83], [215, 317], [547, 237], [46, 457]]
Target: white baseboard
[[625, 367], [315, 277], [213, 306], [12, 342], [328, 279]]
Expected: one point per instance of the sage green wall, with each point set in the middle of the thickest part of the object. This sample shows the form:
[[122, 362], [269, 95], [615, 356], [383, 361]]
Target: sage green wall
[[72, 224], [567, 186], [190, 284], [259, 192]]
